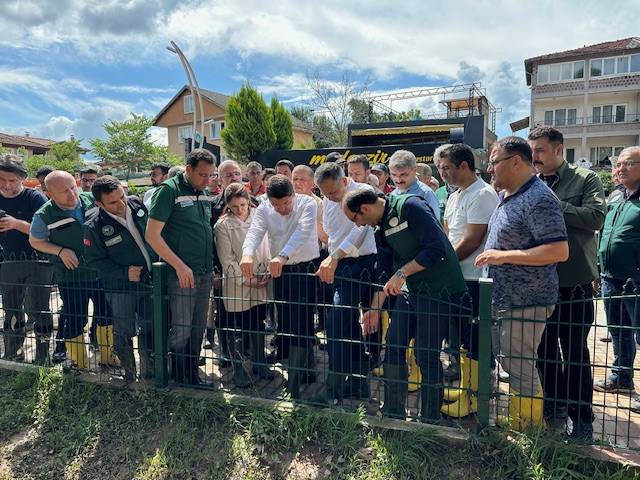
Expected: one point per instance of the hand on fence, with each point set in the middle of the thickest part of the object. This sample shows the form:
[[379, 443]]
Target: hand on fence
[[275, 266], [134, 273], [185, 277], [69, 258], [246, 266], [370, 321], [327, 270], [393, 286], [257, 282]]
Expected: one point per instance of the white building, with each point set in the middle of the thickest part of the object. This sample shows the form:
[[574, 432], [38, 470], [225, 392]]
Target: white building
[[591, 94]]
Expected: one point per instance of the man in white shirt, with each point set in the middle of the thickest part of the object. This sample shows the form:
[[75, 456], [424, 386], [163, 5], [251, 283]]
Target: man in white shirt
[[289, 221], [402, 166], [350, 269], [466, 220]]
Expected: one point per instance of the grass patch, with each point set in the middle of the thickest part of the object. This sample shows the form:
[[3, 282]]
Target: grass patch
[[78, 430]]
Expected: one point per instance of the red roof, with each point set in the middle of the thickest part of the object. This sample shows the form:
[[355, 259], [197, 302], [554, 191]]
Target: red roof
[[630, 43], [25, 141]]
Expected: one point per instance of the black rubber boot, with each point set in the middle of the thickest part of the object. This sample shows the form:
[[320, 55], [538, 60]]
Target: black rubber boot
[[333, 390], [42, 351], [395, 391], [259, 357], [298, 360], [430, 403], [124, 351]]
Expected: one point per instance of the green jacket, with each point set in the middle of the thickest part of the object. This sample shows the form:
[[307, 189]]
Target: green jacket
[[438, 281], [66, 231], [619, 251], [111, 249], [186, 214], [583, 204]]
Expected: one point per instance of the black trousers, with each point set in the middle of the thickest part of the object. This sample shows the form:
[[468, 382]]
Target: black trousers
[[567, 380], [295, 295], [75, 306]]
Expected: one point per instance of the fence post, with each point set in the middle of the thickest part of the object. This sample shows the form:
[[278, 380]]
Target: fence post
[[484, 351], [160, 323]]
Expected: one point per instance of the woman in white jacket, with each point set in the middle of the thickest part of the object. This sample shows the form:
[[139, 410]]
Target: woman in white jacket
[[245, 301]]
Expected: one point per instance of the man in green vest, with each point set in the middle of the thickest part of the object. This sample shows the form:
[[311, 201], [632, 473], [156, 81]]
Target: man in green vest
[[428, 287], [56, 229], [179, 231], [114, 245]]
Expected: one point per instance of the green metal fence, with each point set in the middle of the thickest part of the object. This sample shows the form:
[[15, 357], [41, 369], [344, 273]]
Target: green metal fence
[[297, 345]]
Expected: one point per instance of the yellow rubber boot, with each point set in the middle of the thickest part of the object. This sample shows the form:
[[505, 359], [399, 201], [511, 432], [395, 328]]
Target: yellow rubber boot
[[524, 412], [467, 402], [384, 317], [415, 375], [77, 352], [452, 394], [105, 345]]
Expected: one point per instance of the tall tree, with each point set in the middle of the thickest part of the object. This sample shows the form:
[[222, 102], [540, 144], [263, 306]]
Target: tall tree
[[331, 99], [249, 131], [282, 125], [128, 144]]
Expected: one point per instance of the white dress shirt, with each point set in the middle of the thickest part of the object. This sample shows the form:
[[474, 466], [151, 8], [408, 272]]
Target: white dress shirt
[[130, 225], [294, 235], [343, 233]]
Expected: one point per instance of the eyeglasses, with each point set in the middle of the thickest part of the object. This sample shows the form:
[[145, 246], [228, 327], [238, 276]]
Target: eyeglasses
[[627, 163], [495, 162]]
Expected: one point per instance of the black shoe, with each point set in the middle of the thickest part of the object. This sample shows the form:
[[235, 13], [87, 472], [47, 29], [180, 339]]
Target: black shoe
[[224, 362], [582, 433], [202, 362], [613, 385]]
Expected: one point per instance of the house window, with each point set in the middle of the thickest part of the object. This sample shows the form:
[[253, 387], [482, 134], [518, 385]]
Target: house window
[[571, 155], [188, 104], [184, 133], [609, 113], [560, 117], [216, 129], [617, 151], [559, 72], [615, 65]]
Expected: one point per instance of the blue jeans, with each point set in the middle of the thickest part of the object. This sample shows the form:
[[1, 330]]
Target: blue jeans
[[623, 319], [351, 288]]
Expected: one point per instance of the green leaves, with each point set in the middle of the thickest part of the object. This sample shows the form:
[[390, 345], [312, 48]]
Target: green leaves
[[282, 125], [249, 128]]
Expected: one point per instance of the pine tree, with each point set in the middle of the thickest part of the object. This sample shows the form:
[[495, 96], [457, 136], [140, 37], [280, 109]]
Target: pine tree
[[248, 132], [282, 125]]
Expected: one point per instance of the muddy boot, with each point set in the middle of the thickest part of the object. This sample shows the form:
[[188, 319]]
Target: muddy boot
[[147, 370], [13, 340], [333, 392], [124, 350], [240, 377], [395, 391]]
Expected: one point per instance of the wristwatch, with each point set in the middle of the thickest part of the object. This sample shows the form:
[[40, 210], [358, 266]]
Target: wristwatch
[[400, 274], [335, 256]]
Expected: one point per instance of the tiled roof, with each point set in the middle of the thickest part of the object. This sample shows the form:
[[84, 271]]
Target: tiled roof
[[604, 47], [25, 141], [629, 43]]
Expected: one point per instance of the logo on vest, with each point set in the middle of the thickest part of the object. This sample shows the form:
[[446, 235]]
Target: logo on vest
[[140, 213], [393, 222], [107, 230]]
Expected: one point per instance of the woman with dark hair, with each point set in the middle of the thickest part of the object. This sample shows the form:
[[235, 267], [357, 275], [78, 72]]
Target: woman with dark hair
[[244, 300]]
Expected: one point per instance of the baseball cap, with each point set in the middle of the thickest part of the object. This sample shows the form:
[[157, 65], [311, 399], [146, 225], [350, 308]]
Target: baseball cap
[[380, 167]]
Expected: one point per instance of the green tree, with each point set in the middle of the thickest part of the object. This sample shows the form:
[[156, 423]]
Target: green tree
[[161, 154], [363, 111], [128, 145], [324, 132], [61, 156], [282, 125], [249, 131]]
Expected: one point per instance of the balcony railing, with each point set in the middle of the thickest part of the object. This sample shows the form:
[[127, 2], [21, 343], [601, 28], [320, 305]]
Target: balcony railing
[[593, 120]]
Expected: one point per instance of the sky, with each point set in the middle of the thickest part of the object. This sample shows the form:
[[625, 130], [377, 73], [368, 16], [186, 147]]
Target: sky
[[69, 66]]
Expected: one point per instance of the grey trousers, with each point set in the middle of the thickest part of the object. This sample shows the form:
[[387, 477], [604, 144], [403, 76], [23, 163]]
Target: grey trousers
[[516, 338], [189, 308]]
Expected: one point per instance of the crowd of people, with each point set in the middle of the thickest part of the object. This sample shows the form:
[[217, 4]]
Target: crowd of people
[[373, 255]]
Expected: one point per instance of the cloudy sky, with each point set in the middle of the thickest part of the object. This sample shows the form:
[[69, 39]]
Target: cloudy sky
[[68, 66]]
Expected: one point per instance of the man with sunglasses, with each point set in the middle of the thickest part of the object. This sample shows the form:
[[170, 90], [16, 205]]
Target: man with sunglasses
[[527, 238]]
